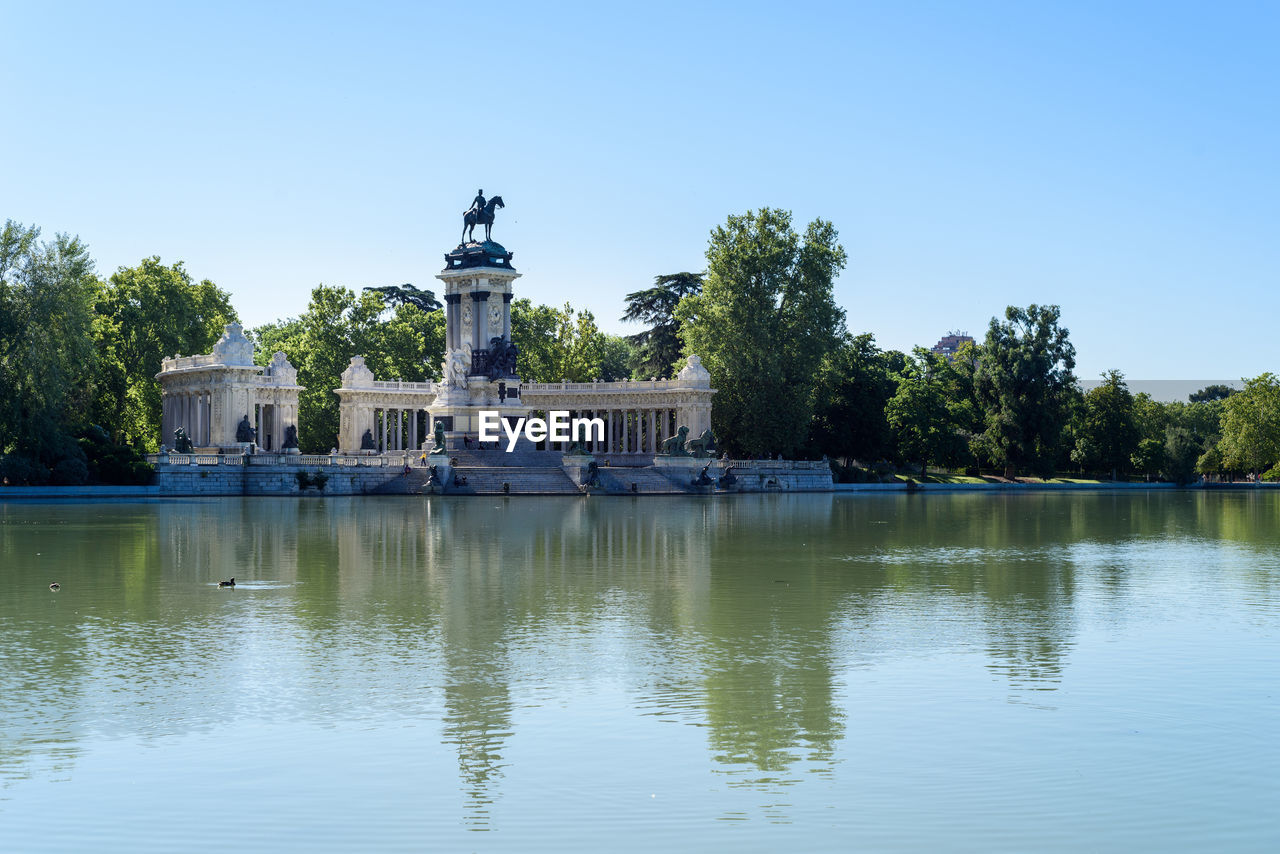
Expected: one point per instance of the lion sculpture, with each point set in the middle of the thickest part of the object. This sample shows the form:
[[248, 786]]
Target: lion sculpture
[[704, 445], [674, 446]]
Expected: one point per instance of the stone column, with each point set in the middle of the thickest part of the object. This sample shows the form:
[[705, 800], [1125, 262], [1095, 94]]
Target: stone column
[[506, 315], [452, 322], [480, 320]]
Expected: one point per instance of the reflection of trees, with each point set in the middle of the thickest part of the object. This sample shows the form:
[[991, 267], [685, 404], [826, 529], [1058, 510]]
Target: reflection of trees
[[769, 670], [999, 563], [745, 614]]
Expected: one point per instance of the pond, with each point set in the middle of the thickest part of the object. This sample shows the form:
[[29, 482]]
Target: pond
[[1042, 671]]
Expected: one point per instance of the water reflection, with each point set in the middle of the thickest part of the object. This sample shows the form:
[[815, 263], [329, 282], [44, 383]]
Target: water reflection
[[746, 617]]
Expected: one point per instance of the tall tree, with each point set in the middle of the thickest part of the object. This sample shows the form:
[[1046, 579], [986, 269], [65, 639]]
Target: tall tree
[[1023, 382], [1251, 426], [407, 294], [855, 383], [1210, 393], [337, 325], [146, 313], [1109, 435], [763, 324], [657, 349], [47, 293], [920, 415]]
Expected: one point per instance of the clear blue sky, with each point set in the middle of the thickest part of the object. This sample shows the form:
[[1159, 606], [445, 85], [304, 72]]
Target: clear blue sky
[[1117, 159]]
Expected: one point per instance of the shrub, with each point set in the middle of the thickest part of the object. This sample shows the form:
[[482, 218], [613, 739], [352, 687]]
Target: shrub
[[22, 471], [70, 472]]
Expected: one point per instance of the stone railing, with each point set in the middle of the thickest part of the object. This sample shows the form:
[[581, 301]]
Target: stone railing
[[774, 465], [404, 385], [619, 386], [367, 461], [183, 362]]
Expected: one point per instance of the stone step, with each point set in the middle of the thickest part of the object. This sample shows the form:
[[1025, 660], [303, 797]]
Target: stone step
[[647, 481], [489, 480]]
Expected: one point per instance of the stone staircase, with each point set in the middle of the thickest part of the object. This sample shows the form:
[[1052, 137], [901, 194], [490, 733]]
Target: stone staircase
[[646, 481], [520, 480]]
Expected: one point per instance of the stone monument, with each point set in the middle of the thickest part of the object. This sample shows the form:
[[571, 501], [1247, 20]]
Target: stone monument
[[480, 365]]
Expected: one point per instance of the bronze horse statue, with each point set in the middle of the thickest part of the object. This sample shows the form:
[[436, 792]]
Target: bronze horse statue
[[482, 217]]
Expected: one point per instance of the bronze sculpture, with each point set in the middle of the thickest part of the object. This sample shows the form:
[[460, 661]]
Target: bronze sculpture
[[674, 446], [245, 431], [703, 446], [480, 213], [439, 449]]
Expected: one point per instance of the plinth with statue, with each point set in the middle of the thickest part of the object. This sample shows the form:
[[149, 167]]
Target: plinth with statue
[[480, 365]]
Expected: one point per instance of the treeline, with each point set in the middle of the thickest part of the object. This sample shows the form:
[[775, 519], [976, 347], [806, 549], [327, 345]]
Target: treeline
[[79, 354], [793, 380]]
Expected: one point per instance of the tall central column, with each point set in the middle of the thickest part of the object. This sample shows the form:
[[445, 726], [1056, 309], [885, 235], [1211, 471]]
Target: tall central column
[[452, 321], [481, 319]]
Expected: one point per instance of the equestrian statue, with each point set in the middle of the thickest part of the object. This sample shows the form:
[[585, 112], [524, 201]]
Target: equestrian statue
[[480, 213]]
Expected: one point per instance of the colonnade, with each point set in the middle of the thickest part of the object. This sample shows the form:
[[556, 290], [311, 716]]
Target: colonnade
[[271, 420], [399, 429], [192, 411]]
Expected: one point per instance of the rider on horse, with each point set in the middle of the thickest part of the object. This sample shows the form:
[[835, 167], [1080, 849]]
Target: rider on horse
[[476, 206]]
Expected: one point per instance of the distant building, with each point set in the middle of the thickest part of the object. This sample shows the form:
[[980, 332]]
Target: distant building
[[950, 343]]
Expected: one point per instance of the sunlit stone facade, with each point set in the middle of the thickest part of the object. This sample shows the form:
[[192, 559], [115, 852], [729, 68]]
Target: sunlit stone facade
[[208, 396]]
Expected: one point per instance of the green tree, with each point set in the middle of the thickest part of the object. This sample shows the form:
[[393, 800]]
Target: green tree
[[763, 325], [617, 358], [146, 313], [657, 349], [47, 358], [337, 325], [1251, 426], [557, 344], [1180, 453], [919, 414], [855, 384], [1148, 457], [1023, 382], [1210, 393], [533, 331], [1109, 432]]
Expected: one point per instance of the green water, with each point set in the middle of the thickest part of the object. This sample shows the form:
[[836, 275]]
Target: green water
[[807, 673]]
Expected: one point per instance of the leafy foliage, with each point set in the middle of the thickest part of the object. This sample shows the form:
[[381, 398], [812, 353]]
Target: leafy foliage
[[1210, 393], [47, 358], [921, 415], [1023, 383], [763, 324], [146, 313], [1251, 426], [855, 383], [1108, 436], [557, 344], [657, 349]]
